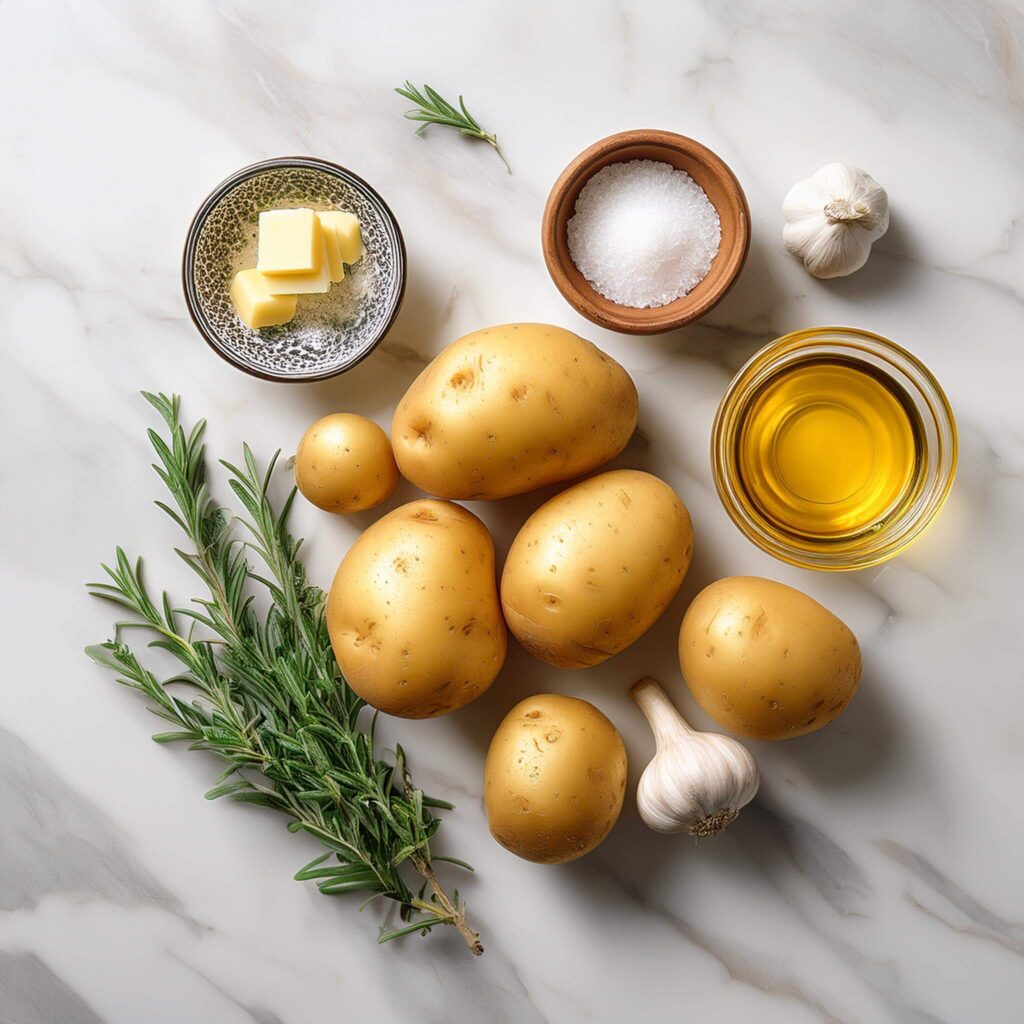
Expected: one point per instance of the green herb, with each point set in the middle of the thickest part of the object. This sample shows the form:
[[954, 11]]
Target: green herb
[[268, 698], [432, 108]]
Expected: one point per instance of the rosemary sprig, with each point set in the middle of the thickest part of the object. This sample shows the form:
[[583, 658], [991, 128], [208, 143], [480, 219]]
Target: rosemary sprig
[[432, 108], [268, 698]]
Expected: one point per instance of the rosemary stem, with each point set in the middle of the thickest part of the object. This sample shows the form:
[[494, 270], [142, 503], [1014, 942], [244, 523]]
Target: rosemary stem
[[497, 149], [456, 915], [433, 108]]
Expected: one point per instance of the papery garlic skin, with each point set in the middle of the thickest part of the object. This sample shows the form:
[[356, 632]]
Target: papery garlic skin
[[697, 782], [832, 219]]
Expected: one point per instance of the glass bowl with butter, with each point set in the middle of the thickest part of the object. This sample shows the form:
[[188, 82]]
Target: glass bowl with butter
[[294, 269], [833, 448]]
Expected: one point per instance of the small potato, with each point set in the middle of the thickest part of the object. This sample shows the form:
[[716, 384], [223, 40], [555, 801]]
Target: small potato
[[554, 780], [345, 464], [509, 409], [593, 568], [413, 612], [765, 660]]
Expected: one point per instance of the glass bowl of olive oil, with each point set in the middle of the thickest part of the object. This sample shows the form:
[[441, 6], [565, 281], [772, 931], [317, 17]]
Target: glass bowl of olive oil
[[833, 448]]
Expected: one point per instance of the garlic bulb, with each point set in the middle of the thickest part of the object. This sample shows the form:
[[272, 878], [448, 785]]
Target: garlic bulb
[[833, 217], [698, 781]]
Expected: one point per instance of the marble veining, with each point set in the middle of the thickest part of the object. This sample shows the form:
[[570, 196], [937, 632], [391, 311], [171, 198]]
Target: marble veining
[[877, 877]]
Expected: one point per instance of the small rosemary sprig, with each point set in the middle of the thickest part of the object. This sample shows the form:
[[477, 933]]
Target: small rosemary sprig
[[269, 700], [432, 108]]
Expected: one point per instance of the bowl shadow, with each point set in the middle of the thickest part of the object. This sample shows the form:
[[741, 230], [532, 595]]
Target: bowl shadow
[[745, 320], [379, 381]]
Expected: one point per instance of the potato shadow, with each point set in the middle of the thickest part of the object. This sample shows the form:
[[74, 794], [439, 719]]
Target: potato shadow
[[524, 675], [862, 746], [765, 842], [627, 870]]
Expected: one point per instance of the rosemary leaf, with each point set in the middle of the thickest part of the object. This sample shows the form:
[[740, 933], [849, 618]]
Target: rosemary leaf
[[433, 108]]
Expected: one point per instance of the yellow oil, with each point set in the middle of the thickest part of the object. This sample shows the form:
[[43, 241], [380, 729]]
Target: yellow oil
[[828, 450]]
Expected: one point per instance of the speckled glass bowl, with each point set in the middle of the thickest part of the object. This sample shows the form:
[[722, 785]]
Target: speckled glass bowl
[[331, 332]]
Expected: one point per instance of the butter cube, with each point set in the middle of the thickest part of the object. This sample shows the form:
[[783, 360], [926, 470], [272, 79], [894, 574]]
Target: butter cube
[[256, 305], [290, 242], [350, 235], [334, 260], [318, 280]]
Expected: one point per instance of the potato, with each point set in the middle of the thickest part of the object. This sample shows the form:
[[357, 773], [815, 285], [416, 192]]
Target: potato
[[510, 409], [593, 568], [765, 660], [413, 611], [344, 463], [554, 779]]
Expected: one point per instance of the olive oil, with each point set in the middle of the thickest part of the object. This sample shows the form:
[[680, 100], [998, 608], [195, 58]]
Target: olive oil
[[828, 449]]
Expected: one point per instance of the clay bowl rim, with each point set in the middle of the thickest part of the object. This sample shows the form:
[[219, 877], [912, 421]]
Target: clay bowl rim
[[578, 292]]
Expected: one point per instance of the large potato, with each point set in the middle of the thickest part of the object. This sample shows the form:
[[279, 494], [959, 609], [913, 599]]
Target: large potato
[[593, 568], [344, 463], [765, 660], [554, 779], [510, 409], [413, 611]]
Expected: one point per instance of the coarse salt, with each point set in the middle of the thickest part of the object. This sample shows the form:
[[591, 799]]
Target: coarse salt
[[643, 233]]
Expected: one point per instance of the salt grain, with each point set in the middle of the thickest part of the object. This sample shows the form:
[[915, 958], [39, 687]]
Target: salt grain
[[643, 233]]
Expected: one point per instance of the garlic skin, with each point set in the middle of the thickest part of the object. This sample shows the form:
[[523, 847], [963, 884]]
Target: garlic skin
[[832, 218], [697, 781]]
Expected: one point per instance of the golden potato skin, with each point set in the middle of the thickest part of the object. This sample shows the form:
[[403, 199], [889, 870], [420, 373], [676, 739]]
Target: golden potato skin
[[765, 660], [554, 779], [512, 408], [593, 568], [413, 612], [344, 463]]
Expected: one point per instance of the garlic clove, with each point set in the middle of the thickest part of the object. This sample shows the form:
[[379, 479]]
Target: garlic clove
[[804, 201], [697, 782], [835, 252]]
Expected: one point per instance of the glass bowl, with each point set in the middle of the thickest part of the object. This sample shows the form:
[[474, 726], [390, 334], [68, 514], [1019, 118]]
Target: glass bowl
[[936, 446], [331, 332]]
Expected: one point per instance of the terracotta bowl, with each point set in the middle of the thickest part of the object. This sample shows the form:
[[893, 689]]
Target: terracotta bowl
[[707, 170]]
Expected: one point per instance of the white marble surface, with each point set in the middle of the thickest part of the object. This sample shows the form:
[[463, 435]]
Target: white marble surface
[[878, 877]]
